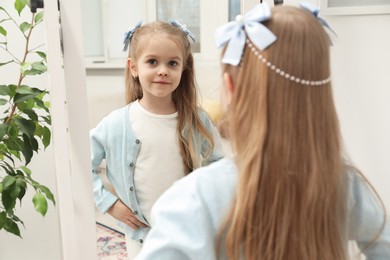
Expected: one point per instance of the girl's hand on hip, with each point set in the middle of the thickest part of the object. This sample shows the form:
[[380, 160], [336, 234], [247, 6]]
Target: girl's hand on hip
[[124, 214]]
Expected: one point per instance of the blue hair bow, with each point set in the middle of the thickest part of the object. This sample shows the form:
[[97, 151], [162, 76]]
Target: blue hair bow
[[129, 34], [315, 12], [184, 29], [233, 33]]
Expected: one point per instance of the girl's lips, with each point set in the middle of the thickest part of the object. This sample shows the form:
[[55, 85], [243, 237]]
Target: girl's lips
[[161, 82]]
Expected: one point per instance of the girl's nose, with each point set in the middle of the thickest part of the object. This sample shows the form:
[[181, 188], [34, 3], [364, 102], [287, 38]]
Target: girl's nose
[[163, 72]]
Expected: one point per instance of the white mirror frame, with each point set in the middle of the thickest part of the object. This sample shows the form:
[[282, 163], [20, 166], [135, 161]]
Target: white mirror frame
[[70, 131]]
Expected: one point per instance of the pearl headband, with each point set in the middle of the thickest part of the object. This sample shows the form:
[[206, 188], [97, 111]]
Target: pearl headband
[[282, 72], [258, 37]]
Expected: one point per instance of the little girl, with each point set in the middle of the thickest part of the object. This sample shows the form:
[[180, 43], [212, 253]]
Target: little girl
[[159, 137], [287, 192]]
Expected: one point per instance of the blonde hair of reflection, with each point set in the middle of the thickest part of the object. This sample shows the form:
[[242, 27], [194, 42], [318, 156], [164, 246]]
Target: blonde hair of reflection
[[185, 96]]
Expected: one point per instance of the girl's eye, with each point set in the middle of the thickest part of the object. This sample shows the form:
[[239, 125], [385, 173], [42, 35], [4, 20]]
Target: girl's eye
[[152, 62], [173, 63]]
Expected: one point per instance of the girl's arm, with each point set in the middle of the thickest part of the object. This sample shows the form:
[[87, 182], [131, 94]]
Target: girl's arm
[[181, 226], [103, 198], [366, 219], [219, 143]]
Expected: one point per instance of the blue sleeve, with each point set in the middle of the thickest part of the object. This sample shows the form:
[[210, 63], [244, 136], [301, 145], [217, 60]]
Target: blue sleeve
[[218, 151], [366, 219], [181, 227], [103, 198]]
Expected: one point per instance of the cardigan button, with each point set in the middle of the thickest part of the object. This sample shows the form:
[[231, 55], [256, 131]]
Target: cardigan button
[[131, 188], [141, 241], [131, 164], [137, 141]]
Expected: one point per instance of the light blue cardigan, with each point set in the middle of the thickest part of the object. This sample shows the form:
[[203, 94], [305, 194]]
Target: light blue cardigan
[[114, 141], [187, 216]]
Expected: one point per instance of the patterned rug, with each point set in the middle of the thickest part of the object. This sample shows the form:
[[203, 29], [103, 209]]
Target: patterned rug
[[111, 244]]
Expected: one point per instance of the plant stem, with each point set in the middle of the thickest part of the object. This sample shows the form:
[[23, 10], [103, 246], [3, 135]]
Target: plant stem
[[39, 46], [10, 17], [5, 49], [20, 73]]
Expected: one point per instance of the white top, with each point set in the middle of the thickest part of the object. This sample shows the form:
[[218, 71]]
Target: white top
[[187, 217], [159, 162]]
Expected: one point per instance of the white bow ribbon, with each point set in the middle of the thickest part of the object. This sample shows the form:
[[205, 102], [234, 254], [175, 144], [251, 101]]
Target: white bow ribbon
[[233, 33]]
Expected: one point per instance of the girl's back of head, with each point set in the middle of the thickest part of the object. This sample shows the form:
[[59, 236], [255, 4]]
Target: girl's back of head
[[284, 130]]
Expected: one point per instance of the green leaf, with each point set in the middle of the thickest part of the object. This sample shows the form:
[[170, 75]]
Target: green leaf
[[26, 170], [47, 119], [38, 68], [46, 136], [24, 89], [7, 200], [34, 144], [13, 144], [48, 193], [38, 17], [22, 187], [44, 105], [3, 218], [26, 126], [7, 167], [40, 203], [14, 192], [23, 97], [12, 227], [8, 181], [24, 26], [31, 114], [35, 68], [3, 101], [41, 54], [27, 149], [3, 31], [11, 90], [19, 5], [4, 90], [3, 130], [25, 67], [15, 218]]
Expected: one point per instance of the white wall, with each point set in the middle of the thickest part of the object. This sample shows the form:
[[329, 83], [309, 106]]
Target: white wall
[[361, 66], [41, 238]]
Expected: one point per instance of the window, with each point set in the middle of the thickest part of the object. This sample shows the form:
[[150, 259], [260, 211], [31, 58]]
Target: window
[[106, 21], [351, 7], [187, 12]]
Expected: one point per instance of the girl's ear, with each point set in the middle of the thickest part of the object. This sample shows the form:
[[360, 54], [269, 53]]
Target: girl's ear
[[229, 87], [132, 67]]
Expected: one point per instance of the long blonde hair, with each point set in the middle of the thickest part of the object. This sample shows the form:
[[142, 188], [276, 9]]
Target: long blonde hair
[[190, 128], [290, 199]]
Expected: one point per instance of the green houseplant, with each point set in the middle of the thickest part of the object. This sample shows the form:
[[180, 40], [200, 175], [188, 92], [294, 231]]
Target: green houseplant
[[24, 117]]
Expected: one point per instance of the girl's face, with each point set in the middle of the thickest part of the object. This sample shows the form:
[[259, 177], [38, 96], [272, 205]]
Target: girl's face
[[159, 67]]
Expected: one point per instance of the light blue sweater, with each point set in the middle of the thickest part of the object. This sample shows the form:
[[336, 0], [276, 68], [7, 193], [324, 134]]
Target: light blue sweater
[[187, 216], [114, 141]]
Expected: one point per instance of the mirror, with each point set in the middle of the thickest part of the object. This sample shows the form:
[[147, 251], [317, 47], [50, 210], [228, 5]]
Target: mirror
[[104, 23]]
